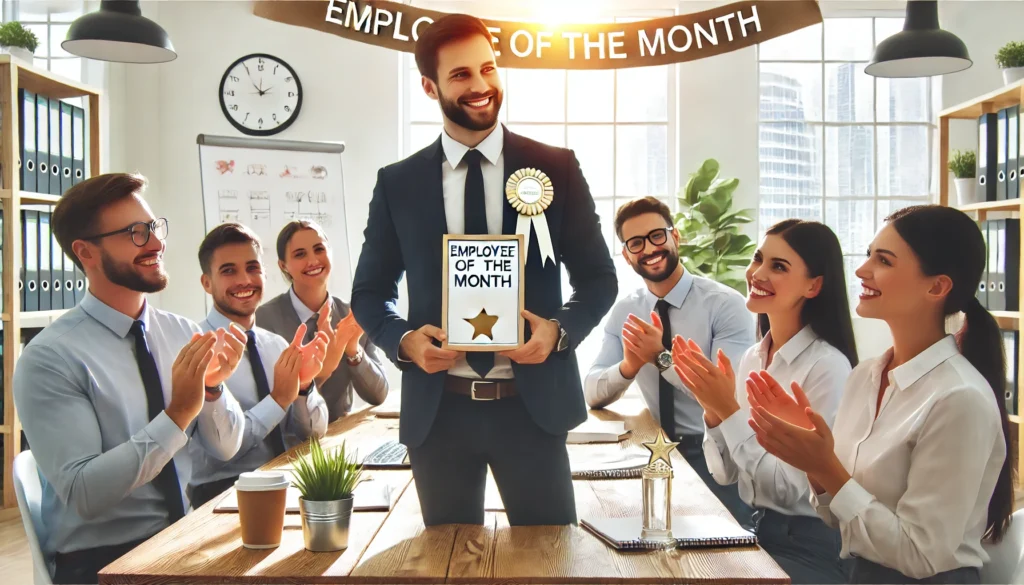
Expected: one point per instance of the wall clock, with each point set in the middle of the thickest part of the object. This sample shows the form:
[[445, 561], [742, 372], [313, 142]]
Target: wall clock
[[260, 95]]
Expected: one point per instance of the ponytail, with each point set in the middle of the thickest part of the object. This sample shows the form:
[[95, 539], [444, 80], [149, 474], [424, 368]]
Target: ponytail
[[981, 343]]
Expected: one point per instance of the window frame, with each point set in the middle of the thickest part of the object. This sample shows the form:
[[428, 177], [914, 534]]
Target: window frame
[[12, 11]]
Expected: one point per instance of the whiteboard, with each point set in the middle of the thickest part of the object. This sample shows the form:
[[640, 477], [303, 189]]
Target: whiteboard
[[264, 184]]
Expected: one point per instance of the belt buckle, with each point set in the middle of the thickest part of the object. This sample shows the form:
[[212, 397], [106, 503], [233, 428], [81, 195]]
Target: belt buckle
[[472, 390]]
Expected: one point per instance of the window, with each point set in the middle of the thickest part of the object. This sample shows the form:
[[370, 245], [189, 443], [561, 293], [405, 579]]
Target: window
[[51, 28], [837, 145], [620, 123]]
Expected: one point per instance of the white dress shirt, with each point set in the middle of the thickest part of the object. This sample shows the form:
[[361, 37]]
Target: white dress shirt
[[81, 399], [712, 314], [923, 471], [731, 449], [453, 180], [304, 417]]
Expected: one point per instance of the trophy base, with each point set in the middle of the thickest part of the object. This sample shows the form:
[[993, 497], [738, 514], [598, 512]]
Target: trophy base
[[657, 535]]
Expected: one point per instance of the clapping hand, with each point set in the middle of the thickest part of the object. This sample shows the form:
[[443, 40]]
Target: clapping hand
[[765, 392], [714, 386], [641, 343], [311, 353], [231, 345], [187, 374]]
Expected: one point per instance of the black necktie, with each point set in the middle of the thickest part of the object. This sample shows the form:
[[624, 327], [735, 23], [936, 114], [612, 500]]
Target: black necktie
[[476, 223], [666, 393], [311, 328], [167, 480], [275, 439]]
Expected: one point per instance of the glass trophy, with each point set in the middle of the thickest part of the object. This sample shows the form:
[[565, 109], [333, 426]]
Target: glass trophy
[[657, 491]]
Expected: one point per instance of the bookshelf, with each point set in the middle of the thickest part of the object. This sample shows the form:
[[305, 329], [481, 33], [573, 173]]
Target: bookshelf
[[989, 103], [15, 75]]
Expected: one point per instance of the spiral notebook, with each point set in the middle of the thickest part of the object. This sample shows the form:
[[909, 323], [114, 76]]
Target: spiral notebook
[[688, 531]]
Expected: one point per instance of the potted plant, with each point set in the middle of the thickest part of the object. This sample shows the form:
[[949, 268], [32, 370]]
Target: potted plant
[[1010, 59], [325, 480], [711, 244], [18, 41], [963, 165]]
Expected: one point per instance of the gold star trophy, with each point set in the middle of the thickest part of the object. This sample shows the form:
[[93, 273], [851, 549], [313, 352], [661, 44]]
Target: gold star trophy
[[657, 489]]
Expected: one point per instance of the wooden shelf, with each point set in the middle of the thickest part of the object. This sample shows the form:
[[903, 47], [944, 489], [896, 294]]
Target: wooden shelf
[[1007, 319], [5, 429], [1004, 205], [47, 83], [1014, 419], [34, 318], [30, 198], [989, 103]]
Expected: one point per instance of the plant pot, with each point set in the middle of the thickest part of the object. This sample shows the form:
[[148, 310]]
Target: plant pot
[[1012, 74], [325, 524], [19, 53], [966, 191]]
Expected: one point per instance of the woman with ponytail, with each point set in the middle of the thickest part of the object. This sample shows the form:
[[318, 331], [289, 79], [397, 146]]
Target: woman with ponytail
[[916, 472]]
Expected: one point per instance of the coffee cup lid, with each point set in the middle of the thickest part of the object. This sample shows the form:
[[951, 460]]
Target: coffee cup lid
[[258, 481]]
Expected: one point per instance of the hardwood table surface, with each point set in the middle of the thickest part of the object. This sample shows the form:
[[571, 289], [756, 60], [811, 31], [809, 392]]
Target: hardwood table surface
[[395, 547]]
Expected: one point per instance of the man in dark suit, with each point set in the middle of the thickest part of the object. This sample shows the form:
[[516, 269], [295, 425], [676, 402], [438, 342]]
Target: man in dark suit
[[463, 412]]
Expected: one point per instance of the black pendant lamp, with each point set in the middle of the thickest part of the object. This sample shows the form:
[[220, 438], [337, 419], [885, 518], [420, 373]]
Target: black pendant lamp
[[922, 49], [119, 32]]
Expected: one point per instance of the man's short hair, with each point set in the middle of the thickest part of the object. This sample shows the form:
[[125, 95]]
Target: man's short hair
[[447, 29], [636, 207], [222, 235], [78, 211]]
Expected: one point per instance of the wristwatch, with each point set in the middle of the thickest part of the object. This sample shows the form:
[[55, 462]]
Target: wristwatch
[[214, 392], [563, 338], [663, 360], [355, 360]]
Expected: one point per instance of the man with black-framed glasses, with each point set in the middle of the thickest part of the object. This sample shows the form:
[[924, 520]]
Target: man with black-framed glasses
[[111, 392], [637, 335]]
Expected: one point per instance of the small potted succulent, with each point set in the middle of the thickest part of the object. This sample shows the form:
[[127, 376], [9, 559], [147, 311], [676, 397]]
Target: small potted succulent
[[18, 41], [326, 481], [1010, 59], [963, 165]]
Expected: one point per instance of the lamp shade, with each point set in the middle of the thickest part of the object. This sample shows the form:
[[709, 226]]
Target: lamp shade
[[922, 49], [119, 32]]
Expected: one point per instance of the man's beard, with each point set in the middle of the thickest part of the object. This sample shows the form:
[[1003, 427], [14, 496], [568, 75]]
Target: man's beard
[[123, 274], [455, 112], [671, 263]]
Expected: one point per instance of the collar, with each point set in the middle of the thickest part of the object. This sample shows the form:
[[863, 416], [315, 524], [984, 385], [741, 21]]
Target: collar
[[490, 147], [922, 363], [792, 348], [300, 308], [111, 318], [676, 296], [218, 320]]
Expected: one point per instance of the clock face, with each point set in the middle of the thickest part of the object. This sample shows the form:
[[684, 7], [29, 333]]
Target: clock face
[[260, 95]]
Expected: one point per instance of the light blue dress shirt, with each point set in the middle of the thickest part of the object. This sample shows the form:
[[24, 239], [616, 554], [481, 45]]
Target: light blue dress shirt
[[308, 414], [710, 313], [82, 403]]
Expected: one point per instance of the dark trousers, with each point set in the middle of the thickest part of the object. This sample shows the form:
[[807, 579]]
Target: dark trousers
[[865, 571], [530, 466], [83, 566], [692, 449], [806, 548], [205, 492]]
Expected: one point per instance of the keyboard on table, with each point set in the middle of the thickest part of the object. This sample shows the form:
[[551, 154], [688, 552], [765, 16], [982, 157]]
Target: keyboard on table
[[390, 454]]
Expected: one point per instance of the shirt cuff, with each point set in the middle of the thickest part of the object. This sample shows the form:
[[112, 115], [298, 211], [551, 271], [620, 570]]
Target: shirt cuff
[[398, 353], [165, 432], [715, 434], [735, 430], [268, 412], [850, 501]]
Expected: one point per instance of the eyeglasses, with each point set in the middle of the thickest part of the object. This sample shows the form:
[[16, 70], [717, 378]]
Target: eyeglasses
[[140, 231], [657, 237]]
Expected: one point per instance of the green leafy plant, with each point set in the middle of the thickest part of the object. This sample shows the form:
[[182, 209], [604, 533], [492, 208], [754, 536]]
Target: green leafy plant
[[963, 164], [325, 476], [1011, 55], [12, 34], [711, 244]]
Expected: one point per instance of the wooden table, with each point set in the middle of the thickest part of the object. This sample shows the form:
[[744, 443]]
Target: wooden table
[[395, 547]]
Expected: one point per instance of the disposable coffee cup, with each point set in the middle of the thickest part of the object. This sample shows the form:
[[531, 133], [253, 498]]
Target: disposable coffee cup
[[261, 506]]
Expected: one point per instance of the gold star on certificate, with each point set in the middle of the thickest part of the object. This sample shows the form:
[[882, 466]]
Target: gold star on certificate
[[482, 324], [661, 448]]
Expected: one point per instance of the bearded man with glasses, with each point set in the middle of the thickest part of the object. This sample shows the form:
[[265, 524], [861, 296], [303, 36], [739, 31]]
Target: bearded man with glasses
[[111, 393], [636, 343]]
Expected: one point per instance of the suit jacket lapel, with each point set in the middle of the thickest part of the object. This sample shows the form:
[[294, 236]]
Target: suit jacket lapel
[[514, 160], [434, 218]]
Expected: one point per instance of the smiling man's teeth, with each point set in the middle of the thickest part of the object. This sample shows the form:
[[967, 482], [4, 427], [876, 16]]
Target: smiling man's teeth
[[150, 262], [244, 294], [654, 260], [479, 103]]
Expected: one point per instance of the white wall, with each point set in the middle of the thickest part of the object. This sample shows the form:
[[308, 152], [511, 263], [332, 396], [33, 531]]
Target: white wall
[[352, 93]]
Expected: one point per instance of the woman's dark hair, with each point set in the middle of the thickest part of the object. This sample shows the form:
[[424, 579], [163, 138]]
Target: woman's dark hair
[[947, 241], [288, 231], [828, 313]]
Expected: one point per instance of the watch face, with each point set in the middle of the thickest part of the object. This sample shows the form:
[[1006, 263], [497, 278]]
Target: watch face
[[260, 95], [665, 359]]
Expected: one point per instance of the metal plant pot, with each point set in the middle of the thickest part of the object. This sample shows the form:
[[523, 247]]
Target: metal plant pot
[[325, 524]]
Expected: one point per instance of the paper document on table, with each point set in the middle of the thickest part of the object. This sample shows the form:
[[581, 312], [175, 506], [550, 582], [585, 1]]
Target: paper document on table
[[598, 431], [607, 463]]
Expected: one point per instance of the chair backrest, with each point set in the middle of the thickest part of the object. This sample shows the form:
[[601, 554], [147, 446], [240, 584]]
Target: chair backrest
[[30, 494], [1006, 559]]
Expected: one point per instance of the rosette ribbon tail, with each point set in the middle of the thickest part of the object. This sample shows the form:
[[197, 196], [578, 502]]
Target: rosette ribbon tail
[[540, 227]]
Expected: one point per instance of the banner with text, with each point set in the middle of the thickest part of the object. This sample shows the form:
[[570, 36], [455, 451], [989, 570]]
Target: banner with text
[[523, 45]]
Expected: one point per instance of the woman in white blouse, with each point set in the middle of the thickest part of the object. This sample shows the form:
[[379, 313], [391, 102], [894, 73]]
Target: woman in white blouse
[[798, 289], [915, 473]]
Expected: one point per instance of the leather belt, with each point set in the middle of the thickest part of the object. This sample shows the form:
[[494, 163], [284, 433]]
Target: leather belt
[[480, 389]]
